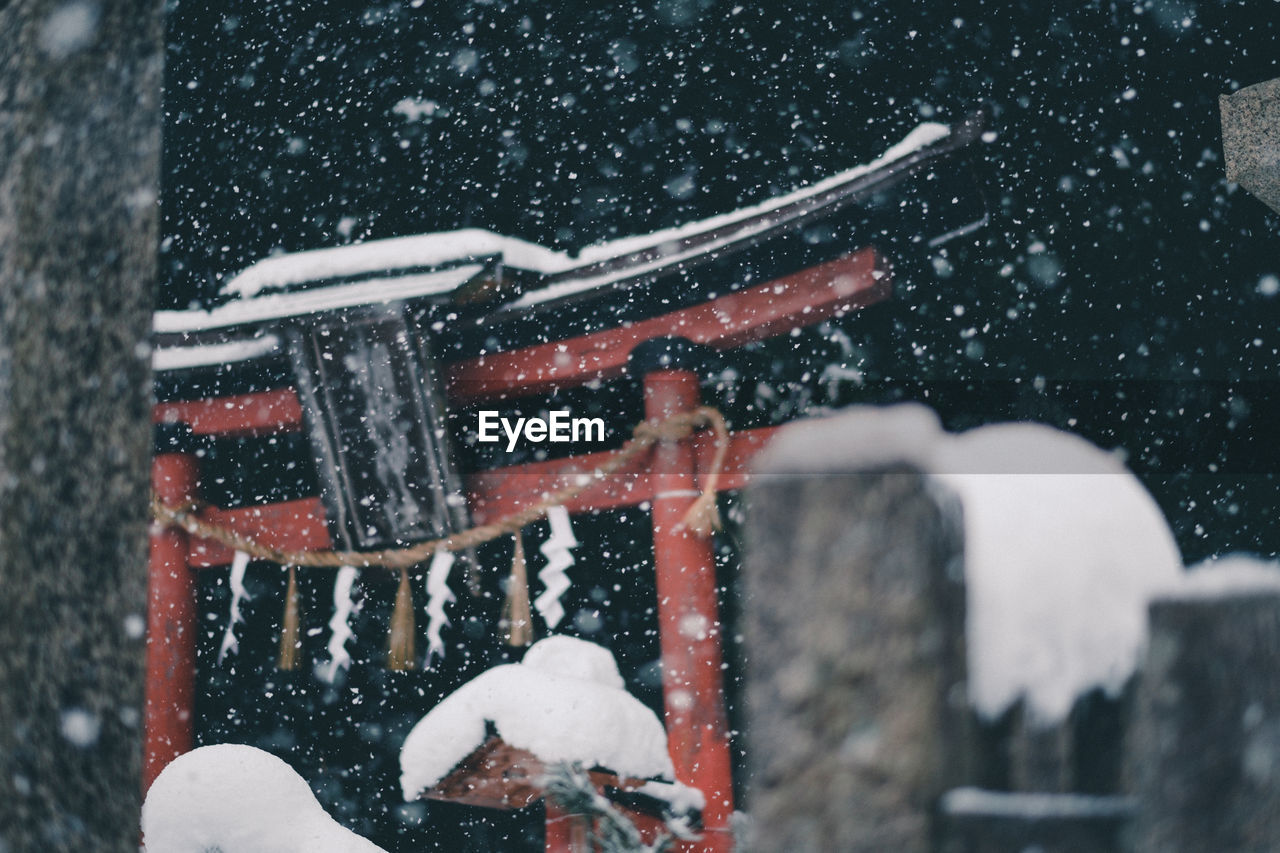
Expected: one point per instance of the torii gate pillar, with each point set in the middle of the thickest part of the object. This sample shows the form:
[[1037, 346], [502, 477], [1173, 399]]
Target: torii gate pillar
[[688, 606]]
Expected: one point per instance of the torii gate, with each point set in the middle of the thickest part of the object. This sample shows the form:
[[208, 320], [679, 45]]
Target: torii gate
[[669, 478]]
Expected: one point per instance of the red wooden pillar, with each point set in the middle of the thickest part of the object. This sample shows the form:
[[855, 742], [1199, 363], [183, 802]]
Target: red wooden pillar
[[688, 609], [171, 624], [566, 833]]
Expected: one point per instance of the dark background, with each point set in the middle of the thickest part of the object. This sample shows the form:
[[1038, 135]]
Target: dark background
[[1118, 250], [1123, 289], [569, 123]]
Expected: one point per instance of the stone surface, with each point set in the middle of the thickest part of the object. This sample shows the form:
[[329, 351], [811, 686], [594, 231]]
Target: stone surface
[[1205, 751], [1040, 757], [79, 176], [855, 636], [1251, 139]]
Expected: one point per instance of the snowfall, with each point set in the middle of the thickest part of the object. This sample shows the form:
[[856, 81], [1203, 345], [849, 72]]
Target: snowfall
[[1064, 550], [453, 258]]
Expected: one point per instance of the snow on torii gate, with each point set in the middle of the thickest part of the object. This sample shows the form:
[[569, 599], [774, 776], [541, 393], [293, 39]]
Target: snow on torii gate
[[668, 478]]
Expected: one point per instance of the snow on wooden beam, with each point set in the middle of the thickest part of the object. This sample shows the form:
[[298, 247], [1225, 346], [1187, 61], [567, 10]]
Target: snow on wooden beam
[[801, 299]]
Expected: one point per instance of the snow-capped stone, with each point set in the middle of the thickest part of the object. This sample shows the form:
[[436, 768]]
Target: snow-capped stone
[[1063, 550], [1063, 545]]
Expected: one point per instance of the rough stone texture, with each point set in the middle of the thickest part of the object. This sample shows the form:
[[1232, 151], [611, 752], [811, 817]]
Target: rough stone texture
[[1040, 756], [855, 635], [1082, 754], [1251, 139], [1205, 751], [79, 176]]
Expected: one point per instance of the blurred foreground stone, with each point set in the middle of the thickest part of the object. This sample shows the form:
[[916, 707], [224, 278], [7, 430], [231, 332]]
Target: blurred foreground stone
[[856, 670], [79, 178], [1205, 751]]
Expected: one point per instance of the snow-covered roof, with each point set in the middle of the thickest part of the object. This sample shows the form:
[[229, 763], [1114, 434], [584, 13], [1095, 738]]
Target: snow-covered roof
[[672, 245], [275, 306], [565, 702], [1063, 546], [419, 251], [432, 264], [239, 799], [228, 352]]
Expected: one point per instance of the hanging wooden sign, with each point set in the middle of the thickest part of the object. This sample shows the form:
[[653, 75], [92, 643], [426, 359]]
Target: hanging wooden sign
[[370, 395]]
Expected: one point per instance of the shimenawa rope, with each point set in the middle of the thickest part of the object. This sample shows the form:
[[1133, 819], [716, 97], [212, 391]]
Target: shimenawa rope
[[701, 517]]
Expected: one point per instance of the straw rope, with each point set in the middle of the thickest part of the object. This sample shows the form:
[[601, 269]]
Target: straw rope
[[700, 518]]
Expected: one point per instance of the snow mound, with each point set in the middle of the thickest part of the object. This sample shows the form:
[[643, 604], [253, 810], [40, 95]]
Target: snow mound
[[1063, 546], [568, 657], [859, 438], [1224, 577], [564, 703], [239, 799]]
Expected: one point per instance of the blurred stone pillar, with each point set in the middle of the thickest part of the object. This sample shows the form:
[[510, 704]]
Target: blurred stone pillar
[[855, 646], [1251, 139], [79, 177], [1205, 747]]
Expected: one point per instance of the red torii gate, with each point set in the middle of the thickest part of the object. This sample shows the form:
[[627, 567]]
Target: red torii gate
[[670, 478]]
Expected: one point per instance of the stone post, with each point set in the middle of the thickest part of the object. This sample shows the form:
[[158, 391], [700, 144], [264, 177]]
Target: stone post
[[1251, 139], [1205, 750], [79, 177], [856, 665]]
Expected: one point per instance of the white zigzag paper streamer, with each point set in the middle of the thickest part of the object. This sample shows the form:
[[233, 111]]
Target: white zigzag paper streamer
[[438, 595], [340, 623], [554, 580], [238, 594]]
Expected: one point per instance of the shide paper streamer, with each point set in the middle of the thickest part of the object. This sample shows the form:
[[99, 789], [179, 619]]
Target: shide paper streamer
[[438, 595], [339, 624], [238, 594], [554, 580]]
